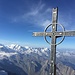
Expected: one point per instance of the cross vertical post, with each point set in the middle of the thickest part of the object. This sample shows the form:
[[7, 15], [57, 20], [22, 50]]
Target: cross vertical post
[[53, 42]]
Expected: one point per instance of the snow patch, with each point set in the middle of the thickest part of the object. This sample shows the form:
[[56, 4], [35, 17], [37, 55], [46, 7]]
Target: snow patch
[[1, 46], [3, 54]]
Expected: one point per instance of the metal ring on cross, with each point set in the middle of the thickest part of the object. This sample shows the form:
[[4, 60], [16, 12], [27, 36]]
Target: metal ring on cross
[[62, 36]]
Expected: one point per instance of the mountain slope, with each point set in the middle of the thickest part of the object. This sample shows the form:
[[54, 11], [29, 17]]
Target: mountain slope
[[19, 60]]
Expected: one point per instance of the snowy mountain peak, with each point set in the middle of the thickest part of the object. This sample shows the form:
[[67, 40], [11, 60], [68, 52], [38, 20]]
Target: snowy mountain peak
[[27, 47], [18, 48], [14, 46]]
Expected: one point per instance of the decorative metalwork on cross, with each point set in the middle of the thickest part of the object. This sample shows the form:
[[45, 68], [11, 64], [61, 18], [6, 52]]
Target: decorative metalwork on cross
[[54, 34]]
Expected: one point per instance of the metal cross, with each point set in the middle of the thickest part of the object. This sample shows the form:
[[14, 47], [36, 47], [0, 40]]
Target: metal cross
[[54, 34]]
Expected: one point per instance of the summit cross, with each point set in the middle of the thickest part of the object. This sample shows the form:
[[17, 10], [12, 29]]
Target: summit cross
[[54, 34]]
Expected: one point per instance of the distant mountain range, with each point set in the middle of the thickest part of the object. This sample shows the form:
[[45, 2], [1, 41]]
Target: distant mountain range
[[19, 60]]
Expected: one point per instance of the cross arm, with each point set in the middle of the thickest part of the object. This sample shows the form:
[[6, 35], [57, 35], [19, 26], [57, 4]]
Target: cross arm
[[66, 33], [42, 33]]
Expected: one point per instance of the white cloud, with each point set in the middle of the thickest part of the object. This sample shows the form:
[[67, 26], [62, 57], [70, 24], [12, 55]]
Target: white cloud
[[33, 13], [46, 23], [37, 15], [48, 10], [67, 20]]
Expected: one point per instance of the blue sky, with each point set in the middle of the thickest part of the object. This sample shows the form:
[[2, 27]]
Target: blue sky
[[19, 18]]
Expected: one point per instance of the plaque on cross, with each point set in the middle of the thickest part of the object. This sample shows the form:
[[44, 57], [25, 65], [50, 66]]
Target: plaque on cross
[[54, 34]]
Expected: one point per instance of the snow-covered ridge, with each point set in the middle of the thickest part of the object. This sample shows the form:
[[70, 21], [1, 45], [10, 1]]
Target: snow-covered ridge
[[28, 50], [23, 50], [14, 49]]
